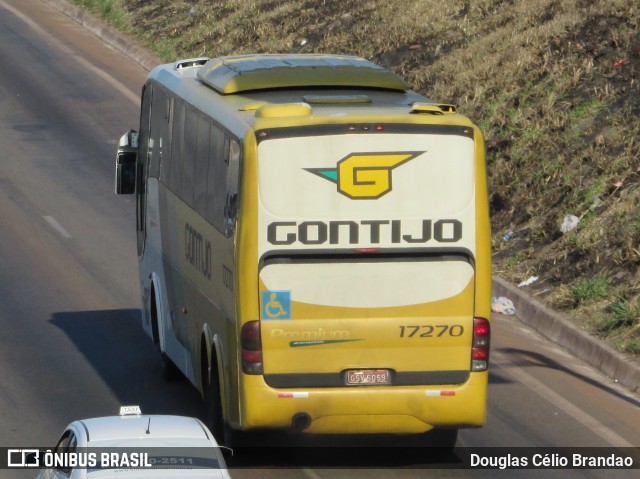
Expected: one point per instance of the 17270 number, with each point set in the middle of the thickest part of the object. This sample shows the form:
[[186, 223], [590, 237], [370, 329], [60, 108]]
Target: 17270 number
[[429, 331]]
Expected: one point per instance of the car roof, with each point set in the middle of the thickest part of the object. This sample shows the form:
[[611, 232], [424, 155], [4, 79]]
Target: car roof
[[147, 428]]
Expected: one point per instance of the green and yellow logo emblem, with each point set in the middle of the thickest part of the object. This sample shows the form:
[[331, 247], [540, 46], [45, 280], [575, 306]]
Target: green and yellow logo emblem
[[365, 176]]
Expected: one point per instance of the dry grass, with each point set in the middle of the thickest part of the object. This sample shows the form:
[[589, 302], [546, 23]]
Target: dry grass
[[553, 84]]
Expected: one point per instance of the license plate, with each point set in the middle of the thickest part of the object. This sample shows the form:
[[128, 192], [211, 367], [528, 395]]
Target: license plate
[[368, 376]]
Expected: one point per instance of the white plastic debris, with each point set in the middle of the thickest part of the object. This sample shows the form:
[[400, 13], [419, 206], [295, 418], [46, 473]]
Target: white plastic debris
[[529, 281], [570, 223], [502, 305]]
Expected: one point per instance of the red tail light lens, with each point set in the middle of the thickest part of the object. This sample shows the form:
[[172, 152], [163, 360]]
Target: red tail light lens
[[251, 348], [480, 345], [250, 336], [251, 356]]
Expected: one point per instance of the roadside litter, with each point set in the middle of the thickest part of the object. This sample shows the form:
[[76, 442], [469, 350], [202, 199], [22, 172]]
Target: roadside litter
[[502, 305], [570, 223], [529, 281]]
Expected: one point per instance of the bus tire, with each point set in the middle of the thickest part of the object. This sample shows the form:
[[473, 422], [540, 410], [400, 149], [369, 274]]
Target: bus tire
[[213, 406]]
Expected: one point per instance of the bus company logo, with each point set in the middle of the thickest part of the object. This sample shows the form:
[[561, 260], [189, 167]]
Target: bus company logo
[[365, 176]]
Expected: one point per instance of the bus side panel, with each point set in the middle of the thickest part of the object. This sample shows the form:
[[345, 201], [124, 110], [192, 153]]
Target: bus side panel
[[174, 325], [199, 266], [483, 235], [151, 263], [246, 273]]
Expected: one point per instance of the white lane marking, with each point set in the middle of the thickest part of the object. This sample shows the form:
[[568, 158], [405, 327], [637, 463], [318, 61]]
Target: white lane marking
[[57, 226], [556, 399], [68, 51]]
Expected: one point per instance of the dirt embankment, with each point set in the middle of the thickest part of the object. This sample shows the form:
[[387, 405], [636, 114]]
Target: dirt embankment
[[553, 84]]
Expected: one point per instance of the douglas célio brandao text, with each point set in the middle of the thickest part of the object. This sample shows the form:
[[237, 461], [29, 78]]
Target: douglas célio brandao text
[[551, 460]]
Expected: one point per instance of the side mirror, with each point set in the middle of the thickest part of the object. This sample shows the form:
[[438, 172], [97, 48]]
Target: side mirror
[[126, 163]]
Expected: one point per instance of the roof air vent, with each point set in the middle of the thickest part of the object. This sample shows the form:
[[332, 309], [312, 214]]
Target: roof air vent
[[432, 108], [263, 72], [190, 63]]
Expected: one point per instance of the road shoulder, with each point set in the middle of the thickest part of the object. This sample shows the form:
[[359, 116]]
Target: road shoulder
[[554, 326]]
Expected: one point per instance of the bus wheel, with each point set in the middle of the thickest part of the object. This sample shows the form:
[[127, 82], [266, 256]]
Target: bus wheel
[[170, 371], [213, 406]]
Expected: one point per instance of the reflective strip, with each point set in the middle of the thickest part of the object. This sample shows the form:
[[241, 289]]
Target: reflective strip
[[293, 395], [440, 393]]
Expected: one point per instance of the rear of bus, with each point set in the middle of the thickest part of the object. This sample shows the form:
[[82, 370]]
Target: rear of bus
[[373, 276]]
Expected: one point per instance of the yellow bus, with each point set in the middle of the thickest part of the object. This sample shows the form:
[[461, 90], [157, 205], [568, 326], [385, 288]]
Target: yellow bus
[[314, 245]]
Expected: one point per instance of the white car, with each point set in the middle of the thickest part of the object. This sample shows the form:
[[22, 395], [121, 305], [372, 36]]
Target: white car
[[133, 445]]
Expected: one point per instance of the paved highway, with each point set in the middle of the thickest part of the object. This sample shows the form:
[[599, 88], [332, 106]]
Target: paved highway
[[71, 345]]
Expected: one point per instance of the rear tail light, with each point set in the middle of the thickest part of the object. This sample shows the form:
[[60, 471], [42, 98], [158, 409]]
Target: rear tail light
[[480, 345], [251, 348]]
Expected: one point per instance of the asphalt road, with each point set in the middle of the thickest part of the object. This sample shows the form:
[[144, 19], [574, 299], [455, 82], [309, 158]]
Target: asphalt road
[[71, 345]]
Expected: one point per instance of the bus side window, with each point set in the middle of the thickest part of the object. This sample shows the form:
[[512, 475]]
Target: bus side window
[[145, 145], [202, 166], [189, 149], [145, 149], [165, 160], [159, 120], [177, 149], [158, 109], [231, 201], [217, 178]]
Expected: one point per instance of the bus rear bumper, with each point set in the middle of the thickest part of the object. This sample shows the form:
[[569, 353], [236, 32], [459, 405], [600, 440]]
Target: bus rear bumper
[[362, 410]]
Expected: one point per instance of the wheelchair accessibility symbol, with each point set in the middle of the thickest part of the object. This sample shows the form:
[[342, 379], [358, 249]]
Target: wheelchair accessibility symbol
[[276, 305]]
